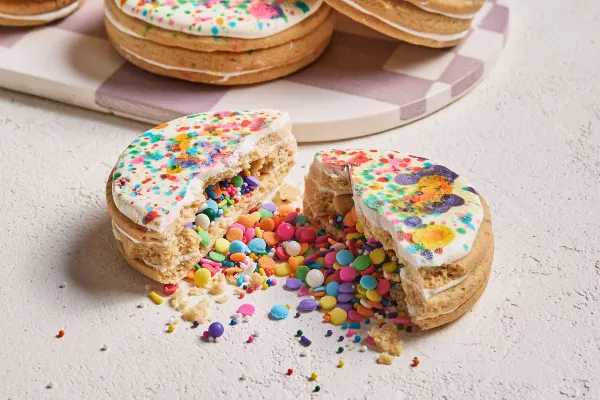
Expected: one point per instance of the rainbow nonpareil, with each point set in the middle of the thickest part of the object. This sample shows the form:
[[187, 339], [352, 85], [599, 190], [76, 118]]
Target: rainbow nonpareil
[[167, 167], [244, 19], [432, 213]]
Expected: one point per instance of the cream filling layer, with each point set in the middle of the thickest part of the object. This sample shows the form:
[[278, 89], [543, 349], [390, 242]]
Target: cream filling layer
[[127, 31], [426, 35], [50, 16], [428, 293], [450, 15], [134, 240]]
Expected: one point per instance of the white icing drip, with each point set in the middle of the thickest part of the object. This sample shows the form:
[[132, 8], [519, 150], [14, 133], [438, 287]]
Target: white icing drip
[[450, 15], [426, 35], [134, 240], [50, 16], [119, 26], [224, 75], [428, 293]]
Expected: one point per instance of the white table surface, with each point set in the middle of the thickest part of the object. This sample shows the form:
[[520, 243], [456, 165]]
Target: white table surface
[[529, 140]]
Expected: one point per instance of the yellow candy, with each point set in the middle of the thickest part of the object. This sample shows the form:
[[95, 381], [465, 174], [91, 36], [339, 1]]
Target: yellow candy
[[313, 376], [336, 266], [221, 204], [288, 306], [340, 364], [155, 298], [389, 266], [361, 289], [338, 316], [359, 227], [282, 269], [202, 277], [373, 296], [328, 302], [299, 259], [222, 245], [320, 260], [262, 272], [170, 328], [359, 296], [255, 216], [226, 211], [377, 256], [258, 232], [265, 286], [353, 235]]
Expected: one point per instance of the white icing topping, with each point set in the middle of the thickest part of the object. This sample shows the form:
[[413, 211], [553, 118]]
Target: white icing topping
[[450, 15], [50, 16], [426, 35], [247, 19]]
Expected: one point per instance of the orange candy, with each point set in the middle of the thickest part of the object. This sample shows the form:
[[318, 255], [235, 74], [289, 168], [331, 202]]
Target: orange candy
[[266, 263], [285, 209], [246, 220], [234, 234], [303, 248], [293, 264], [190, 275], [232, 270], [276, 220], [267, 224], [270, 238], [376, 305], [365, 312], [350, 219], [319, 294], [237, 257]]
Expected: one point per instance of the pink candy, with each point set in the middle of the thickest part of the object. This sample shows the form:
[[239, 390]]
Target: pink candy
[[246, 309], [239, 226], [285, 231], [280, 252], [402, 321], [354, 316], [303, 291], [347, 274], [290, 218], [383, 286], [330, 259], [249, 234], [211, 269], [305, 235]]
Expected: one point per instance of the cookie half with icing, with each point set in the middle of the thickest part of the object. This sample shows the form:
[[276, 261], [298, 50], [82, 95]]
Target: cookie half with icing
[[437, 225], [220, 42], [431, 23], [35, 12], [200, 171]]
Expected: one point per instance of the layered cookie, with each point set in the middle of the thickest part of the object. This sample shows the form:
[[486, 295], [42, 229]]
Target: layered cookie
[[35, 12], [434, 229], [220, 42], [432, 23], [179, 186]]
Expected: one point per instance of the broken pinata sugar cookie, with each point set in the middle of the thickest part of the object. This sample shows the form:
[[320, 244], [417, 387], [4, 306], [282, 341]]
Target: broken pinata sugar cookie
[[177, 188], [424, 228]]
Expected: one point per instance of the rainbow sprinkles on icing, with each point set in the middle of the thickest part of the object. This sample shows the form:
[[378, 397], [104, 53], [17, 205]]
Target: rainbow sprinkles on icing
[[167, 167], [432, 213], [245, 19]]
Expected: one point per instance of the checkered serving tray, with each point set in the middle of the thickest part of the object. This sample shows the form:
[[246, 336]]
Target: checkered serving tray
[[364, 83]]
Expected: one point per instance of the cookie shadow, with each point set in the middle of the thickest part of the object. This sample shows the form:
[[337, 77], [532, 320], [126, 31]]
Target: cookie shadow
[[95, 264]]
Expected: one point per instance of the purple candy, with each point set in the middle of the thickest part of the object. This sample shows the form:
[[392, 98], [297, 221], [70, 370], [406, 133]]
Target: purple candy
[[252, 181], [345, 306], [344, 297], [270, 207], [307, 305], [216, 329], [293, 283], [189, 225], [347, 287]]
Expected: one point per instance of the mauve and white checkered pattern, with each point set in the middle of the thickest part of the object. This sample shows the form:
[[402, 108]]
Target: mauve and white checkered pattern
[[363, 83]]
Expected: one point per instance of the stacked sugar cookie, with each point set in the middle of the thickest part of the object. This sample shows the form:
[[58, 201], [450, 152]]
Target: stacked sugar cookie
[[35, 12], [434, 222], [220, 41], [204, 169], [431, 23]]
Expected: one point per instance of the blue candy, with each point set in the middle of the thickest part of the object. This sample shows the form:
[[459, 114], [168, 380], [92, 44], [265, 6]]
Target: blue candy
[[333, 289], [344, 257], [355, 325], [237, 246], [314, 266], [212, 204], [257, 245], [301, 219], [279, 312], [368, 282]]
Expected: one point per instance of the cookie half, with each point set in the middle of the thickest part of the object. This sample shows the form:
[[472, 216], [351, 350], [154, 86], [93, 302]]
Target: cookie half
[[35, 12], [437, 225], [439, 23], [217, 42], [206, 168]]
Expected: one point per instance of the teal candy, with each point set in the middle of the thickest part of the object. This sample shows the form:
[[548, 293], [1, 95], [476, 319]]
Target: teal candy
[[237, 246], [333, 289], [212, 205], [279, 312], [257, 245], [344, 257]]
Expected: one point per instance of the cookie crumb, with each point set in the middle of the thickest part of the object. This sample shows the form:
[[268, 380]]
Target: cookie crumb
[[218, 286], [199, 312], [50, 385], [288, 192], [387, 339], [222, 299], [178, 300], [62, 285], [385, 358]]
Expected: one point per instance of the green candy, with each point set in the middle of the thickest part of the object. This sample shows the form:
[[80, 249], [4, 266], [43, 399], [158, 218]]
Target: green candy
[[204, 238], [362, 262], [237, 181], [216, 257], [301, 273], [210, 213], [264, 213]]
